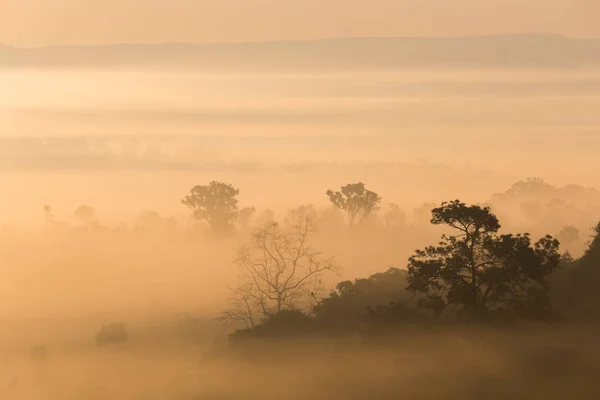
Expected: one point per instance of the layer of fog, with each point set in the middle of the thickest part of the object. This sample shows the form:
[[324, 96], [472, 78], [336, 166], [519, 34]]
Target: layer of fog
[[125, 140]]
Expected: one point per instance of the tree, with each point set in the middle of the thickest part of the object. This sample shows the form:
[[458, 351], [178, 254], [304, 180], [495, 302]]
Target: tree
[[113, 334], [422, 214], [284, 323], [395, 217], [245, 214], [148, 220], [579, 285], [48, 215], [568, 235], [266, 217], [355, 200], [216, 203], [300, 214], [349, 303], [478, 271], [278, 270], [85, 213]]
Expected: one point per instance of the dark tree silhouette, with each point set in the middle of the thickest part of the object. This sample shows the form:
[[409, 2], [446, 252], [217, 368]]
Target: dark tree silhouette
[[349, 303], [215, 203], [355, 200], [579, 286], [477, 270], [278, 271]]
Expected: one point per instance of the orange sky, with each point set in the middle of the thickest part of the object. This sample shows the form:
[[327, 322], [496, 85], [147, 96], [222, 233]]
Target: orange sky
[[43, 22]]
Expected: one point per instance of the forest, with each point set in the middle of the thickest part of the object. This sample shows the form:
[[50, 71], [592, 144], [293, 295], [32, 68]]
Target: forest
[[379, 297], [511, 283]]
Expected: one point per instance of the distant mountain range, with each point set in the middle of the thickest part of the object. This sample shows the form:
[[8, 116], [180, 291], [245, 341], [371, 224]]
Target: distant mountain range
[[480, 51]]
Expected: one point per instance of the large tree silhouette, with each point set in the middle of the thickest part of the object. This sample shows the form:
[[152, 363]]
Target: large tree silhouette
[[478, 271], [355, 200], [215, 203]]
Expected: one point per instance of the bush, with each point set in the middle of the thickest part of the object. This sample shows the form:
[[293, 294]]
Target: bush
[[282, 324], [348, 306]]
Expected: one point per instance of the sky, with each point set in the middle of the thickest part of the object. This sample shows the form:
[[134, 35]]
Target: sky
[[27, 23]]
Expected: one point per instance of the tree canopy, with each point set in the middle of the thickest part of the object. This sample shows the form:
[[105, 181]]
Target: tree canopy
[[355, 200], [478, 271], [216, 203], [349, 303]]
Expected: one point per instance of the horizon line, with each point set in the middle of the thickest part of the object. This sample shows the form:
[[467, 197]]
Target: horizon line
[[307, 40]]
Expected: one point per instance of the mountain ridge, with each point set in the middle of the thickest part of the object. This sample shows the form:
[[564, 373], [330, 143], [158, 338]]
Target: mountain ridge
[[359, 52]]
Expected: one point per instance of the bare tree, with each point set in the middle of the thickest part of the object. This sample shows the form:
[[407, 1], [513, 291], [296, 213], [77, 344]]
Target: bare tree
[[243, 305], [278, 271]]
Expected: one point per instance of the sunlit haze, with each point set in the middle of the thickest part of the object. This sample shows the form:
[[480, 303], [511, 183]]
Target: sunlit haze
[[68, 22], [317, 199]]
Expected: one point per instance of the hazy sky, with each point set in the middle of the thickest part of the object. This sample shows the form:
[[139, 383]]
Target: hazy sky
[[42, 22]]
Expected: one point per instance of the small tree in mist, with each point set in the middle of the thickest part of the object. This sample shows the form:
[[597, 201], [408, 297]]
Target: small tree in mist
[[48, 215], [245, 214], [567, 236], [85, 214], [216, 203], [300, 214], [278, 270], [477, 270], [395, 217], [355, 200], [114, 334], [422, 214], [266, 217]]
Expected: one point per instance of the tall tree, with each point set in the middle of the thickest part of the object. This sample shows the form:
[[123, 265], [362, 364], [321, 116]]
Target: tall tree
[[216, 203], [477, 270], [355, 200]]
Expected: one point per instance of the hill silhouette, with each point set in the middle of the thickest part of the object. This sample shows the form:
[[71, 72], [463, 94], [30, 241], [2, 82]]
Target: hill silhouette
[[475, 51]]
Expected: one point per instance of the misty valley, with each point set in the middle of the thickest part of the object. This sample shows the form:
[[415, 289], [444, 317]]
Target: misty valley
[[316, 302], [329, 219]]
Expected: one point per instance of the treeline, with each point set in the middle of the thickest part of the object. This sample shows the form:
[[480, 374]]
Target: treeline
[[531, 205], [473, 273]]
